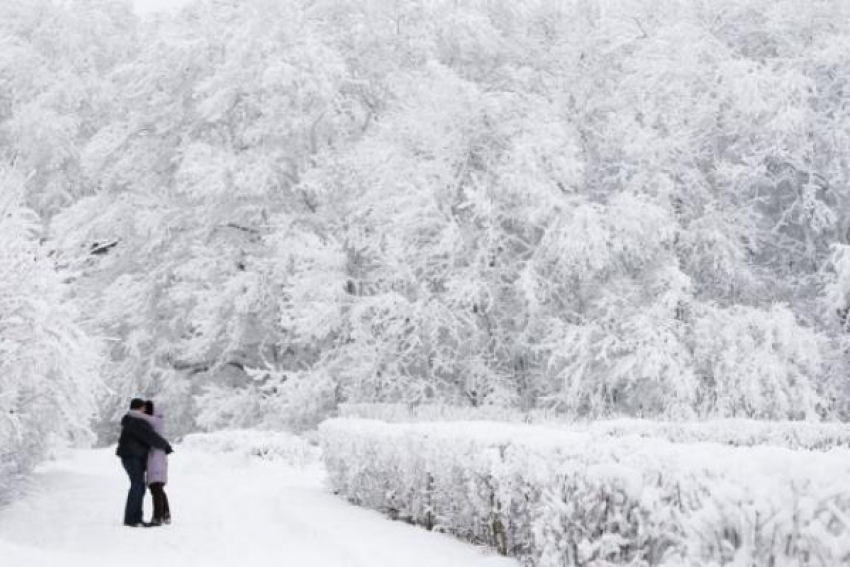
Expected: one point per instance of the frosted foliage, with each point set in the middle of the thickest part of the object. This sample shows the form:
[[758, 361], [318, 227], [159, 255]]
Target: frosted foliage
[[273, 400], [204, 171], [313, 295], [585, 207], [601, 241], [543, 164], [714, 254], [638, 364], [48, 365], [554, 498], [757, 364]]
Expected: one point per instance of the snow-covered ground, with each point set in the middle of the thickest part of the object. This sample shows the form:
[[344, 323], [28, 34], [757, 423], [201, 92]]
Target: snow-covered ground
[[228, 509]]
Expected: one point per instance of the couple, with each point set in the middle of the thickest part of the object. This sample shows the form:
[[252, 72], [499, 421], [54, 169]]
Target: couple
[[143, 453]]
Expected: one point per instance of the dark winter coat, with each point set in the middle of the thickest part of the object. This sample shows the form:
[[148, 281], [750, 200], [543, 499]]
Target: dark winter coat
[[137, 438]]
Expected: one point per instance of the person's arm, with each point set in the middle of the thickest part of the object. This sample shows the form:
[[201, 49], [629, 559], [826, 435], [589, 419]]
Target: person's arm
[[143, 431]]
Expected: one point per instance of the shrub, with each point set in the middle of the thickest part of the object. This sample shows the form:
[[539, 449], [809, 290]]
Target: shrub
[[552, 497]]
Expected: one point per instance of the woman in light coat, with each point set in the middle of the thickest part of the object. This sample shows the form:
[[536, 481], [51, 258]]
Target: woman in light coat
[[157, 472]]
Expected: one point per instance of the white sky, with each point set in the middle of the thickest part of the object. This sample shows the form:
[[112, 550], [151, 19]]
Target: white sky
[[148, 6]]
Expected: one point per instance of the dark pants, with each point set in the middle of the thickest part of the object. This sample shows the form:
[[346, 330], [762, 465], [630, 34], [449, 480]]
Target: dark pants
[[161, 512], [136, 471]]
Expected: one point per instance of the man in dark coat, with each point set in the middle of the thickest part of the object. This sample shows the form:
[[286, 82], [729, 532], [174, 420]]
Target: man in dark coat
[[137, 437]]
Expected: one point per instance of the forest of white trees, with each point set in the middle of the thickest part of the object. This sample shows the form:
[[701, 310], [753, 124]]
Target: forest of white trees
[[256, 210]]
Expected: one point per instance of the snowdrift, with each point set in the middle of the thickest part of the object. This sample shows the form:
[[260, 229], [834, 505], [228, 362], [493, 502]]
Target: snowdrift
[[267, 445], [554, 497]]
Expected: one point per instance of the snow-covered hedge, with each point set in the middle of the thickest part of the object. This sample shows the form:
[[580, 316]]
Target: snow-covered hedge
[[554, 497], [268, 445]]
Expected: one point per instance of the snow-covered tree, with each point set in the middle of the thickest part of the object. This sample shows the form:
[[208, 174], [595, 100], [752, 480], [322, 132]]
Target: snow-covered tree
[[500, 203], [49, 366]]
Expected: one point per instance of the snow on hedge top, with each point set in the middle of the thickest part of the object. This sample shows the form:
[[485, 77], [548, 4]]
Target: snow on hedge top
[[737, 432], [749, 466]]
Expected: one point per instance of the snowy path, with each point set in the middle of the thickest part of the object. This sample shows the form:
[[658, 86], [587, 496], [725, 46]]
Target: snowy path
[[228, 511]]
